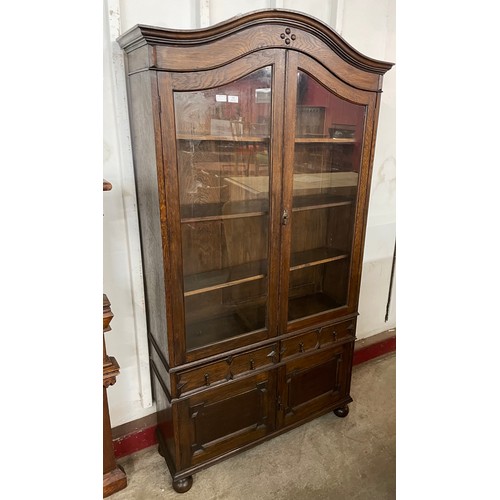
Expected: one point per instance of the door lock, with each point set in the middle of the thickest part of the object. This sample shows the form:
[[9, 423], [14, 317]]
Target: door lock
[[284, 217]]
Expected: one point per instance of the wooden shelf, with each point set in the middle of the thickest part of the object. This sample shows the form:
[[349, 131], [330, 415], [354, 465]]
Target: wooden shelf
[[315, 257], [221, 328], [252, 271], [201, 212], [316, 183], [223, 278], [300, 307], [224, 138], [324, 140], [319, 201]]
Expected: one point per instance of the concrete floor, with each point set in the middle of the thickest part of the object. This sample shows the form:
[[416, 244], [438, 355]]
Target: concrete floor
[[353, 458]]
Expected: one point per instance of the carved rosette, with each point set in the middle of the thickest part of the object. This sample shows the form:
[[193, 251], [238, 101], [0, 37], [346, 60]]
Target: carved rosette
[[288, 36]]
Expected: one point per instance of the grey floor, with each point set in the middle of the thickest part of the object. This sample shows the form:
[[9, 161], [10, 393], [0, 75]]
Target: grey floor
[[353, 458]]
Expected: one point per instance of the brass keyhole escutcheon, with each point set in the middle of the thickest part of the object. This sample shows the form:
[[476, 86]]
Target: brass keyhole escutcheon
[[284, 217]]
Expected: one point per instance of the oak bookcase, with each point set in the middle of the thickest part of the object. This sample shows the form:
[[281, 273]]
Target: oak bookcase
[[253, 143]]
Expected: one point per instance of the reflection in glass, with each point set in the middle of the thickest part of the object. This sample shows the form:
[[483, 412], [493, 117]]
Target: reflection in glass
[[326, 168], [223, 170]]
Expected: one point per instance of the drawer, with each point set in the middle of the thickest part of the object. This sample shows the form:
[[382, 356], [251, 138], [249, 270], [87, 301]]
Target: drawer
[[226, 369], [317, 338], [300, 343], [339, 331], [253, 360]]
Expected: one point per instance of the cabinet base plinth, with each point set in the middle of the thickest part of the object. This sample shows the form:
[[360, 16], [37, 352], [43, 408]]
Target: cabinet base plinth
[[113, 481]]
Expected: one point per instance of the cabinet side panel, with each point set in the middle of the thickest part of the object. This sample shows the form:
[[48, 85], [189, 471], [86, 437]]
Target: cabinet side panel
[[146, 178], [165, 429]]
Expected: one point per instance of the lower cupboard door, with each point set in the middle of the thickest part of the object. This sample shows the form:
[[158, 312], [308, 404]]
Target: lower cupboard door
[[314, 384], [225, 418]]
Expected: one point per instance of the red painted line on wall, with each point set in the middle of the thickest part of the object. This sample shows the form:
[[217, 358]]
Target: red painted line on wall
[[136, 441], [374, 350]]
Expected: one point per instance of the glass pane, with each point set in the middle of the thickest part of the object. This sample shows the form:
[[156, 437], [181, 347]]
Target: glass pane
[[327, 160], [223, 166]]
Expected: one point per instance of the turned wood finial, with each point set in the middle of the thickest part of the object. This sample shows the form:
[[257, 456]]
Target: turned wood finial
[[111, 368]]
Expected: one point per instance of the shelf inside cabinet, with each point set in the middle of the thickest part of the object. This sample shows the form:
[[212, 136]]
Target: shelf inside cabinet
[[223, 138], [200, 212], [315, 257], [223, 278], [319, 201], [311, 182], [219, 328], [309, 305], [324, 140]]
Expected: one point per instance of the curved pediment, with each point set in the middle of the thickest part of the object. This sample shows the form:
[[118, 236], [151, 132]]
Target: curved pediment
[[201, 49]]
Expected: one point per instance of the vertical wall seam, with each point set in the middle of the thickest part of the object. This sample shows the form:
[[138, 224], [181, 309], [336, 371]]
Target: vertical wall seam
[[129, 203], [204, 10], [339, 21]]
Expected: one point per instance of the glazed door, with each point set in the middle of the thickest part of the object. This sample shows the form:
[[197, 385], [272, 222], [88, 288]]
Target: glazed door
[[324, 165], [222, 177]]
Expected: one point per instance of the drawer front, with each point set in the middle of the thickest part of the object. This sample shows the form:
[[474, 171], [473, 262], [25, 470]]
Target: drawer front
[[300, 343], [253, 360], [332, 333], [229, 368], [317, 338]]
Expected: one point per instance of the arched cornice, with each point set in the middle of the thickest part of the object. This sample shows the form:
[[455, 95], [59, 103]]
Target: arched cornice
[[141, 35]]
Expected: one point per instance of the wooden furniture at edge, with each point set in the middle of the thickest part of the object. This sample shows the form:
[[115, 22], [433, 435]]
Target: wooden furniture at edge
[[114, 477], [252, 240]]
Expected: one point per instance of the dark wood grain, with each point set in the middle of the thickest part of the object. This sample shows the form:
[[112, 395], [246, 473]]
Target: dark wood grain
[[114, 477], [312, 383], [149, 180], [252, 265], [226, 418]]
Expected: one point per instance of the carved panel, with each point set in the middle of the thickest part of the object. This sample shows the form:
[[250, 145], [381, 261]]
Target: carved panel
[[228, 417], [313, 384]]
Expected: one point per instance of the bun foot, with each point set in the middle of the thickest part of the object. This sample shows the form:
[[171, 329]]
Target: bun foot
[[183, 485], [342, 412]]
